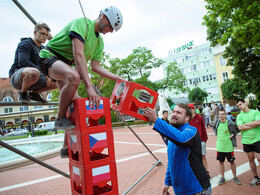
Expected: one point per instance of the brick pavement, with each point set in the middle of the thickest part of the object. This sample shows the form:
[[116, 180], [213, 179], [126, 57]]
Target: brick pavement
[[133, 161]]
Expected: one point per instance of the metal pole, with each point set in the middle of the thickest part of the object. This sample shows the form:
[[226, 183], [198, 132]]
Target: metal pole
[[13, 149], [25, 12], [141, 177]]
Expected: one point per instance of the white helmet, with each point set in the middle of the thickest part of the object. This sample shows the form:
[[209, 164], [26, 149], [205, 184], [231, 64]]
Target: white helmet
[[114, 16]]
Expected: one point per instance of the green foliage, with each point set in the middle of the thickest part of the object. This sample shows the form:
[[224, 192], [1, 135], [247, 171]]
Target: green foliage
[[236, 24], [147, 83], [142, 60], [174, 79], [38, 133], [169, 101], [234, 89], [197, 95]]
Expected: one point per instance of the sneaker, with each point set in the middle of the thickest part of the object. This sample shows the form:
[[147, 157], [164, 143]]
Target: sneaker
[[208, 175], [236, 180], [254, 182], [64, 124], [36, 97], [64, 153], [23, 97], [221, 181]]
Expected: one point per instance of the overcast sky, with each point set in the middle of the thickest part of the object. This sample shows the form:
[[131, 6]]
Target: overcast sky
[[159, 25]]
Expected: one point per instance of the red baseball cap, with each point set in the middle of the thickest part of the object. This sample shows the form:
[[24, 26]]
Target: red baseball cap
[[191, 106]]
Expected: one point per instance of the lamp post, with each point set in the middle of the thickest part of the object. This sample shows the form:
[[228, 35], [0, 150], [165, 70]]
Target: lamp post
[[195, 83]]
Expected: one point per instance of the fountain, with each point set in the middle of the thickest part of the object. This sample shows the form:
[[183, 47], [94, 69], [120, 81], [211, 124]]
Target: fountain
[[164, 106], [39, 147]]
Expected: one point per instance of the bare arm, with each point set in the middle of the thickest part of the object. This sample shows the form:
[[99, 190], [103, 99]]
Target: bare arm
[[253, 124], [81, 66], [95, 65], [248, 126]]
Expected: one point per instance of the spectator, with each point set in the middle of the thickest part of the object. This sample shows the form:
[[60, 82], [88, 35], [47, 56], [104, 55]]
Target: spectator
[[198, 122], [185, 170], [227, 107], [25, 73], [230, 117], [216, 112], [165, 116], [248, 122], [207, 115], [226, 132]]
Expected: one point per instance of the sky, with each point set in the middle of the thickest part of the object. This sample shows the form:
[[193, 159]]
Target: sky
[[160, 26]]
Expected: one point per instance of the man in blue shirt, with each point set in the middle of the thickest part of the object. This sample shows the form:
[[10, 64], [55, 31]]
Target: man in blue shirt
[[185, 170]]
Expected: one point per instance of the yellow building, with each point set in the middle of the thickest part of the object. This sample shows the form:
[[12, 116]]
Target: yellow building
[[223, 72]]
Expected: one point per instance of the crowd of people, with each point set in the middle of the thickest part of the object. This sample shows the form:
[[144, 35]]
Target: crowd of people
[[186, 137]]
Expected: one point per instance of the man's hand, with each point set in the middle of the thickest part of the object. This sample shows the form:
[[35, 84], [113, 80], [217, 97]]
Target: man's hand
[[93, 97], [165, 190], [150, 114]]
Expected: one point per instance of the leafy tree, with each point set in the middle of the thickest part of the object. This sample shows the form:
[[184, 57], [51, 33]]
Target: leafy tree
[[147, 83], [142, 60], [236, 24], [234, 89], [174, 79], [197, 95]]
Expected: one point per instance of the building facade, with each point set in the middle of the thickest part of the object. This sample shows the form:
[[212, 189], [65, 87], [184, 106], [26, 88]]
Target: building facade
[[203, 66], [20, 117]]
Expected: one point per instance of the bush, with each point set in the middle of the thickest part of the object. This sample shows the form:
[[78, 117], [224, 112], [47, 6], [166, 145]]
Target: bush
[[38, 133]]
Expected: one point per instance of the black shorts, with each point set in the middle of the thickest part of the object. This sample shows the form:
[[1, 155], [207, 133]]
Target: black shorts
[[46, 63], [222, 155], [255, 147]]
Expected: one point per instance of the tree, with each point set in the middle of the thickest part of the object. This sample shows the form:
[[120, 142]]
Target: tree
[[197, 95], [174, 79], [236, 24], [142, 60], [234, 89]]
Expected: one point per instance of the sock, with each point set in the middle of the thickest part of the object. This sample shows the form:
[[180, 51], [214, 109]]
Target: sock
[[257, 177]]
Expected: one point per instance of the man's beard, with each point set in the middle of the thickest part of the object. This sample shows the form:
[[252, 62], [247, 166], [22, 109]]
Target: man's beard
[[177, 124]]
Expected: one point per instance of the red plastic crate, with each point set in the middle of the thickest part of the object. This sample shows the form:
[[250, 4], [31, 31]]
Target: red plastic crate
[[90, 147], [86, 118], [100, 178], [131, 98]]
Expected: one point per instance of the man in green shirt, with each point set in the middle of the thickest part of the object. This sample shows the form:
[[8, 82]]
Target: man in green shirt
[[226, 141], [248, 122], [77, 43]]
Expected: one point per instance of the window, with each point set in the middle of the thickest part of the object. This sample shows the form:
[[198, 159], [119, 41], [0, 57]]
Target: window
[[192, 68], [194, 80], [224, 76], [17, 121], [8, 99], [223, 61], [46, 118], [210, 77], [206, 64], [8, 110], [179, 60], [23, 108], [190, 56], [37, 107], [205, 51], [49, 96]]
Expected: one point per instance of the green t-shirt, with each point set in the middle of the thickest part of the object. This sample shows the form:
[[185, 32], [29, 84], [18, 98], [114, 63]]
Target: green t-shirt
[[224, 143], [252, 135], [62, 44]]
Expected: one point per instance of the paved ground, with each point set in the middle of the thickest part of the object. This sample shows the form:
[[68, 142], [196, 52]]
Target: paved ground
[[133, 161]]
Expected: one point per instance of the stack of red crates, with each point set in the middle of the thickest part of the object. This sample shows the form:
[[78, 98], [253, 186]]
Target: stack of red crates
[[132, 98], [91, 149]]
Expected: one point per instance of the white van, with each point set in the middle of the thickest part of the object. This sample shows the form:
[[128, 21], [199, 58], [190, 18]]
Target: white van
[[45, 126]]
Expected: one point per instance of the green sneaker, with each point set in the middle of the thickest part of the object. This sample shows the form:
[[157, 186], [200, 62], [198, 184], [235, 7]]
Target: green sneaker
[[221, 181], [236, 180]]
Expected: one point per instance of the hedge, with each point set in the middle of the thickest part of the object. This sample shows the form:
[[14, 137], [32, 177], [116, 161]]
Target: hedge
[[38, 133]]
